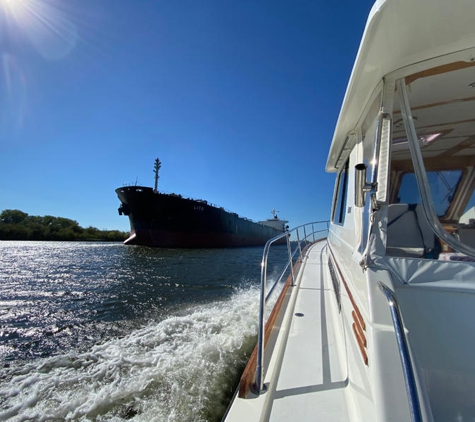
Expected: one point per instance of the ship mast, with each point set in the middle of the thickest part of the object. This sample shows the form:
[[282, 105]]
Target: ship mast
[[156, 169]]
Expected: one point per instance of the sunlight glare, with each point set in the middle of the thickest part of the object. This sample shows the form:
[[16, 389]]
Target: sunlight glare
[[14, 8], [46, 26]]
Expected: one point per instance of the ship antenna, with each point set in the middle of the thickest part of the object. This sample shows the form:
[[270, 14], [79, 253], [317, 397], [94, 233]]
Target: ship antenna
[[156, 169]]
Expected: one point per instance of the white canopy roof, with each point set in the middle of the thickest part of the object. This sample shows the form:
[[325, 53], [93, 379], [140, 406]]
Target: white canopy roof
[[400, 33]]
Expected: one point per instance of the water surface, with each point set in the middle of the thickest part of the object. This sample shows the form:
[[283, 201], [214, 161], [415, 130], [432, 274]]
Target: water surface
[[103, 331]]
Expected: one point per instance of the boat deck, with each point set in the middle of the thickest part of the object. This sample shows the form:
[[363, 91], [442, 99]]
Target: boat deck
[[305, 379]]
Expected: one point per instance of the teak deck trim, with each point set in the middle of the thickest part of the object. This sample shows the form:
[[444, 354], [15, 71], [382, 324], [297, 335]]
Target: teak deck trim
[[247, 376]]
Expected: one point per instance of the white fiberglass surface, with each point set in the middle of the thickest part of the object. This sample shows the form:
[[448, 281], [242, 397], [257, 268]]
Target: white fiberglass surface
[[311, 382]]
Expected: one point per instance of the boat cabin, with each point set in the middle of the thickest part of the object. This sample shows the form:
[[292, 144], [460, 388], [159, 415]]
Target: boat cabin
[[379, 324], [403, 212]]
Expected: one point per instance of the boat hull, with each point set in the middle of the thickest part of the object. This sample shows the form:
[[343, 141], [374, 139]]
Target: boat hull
[[171, 221]]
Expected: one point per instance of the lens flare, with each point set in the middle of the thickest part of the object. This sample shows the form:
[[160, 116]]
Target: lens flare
[[12, 95], [41, 24], [46, 26]]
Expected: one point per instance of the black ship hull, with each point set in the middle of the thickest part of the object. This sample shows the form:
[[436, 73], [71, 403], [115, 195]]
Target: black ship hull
[[171, 221]]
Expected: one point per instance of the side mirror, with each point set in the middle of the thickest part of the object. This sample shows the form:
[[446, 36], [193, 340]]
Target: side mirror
[[361, 187]]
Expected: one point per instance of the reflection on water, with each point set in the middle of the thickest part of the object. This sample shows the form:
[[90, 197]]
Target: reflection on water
[[100, 331]]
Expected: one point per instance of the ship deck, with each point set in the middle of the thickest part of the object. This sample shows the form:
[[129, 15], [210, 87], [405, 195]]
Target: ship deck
[[305, 379]]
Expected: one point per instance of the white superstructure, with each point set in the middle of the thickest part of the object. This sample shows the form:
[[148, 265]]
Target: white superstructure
[[275, 222]]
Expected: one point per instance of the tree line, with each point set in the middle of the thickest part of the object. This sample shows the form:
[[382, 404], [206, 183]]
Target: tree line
[[18, 225]]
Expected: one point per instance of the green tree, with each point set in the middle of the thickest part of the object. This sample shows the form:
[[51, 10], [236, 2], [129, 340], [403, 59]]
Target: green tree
[[13, 216], [18, 225]]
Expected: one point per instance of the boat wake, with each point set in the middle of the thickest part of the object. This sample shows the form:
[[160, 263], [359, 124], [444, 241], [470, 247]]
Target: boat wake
[[183, 368]]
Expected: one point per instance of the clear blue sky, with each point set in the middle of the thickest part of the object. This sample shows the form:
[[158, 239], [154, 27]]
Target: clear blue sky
[[238, 99]]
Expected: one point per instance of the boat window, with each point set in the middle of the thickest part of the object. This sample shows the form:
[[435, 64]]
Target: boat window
[[443, 184], [339, 208], [442, 101]]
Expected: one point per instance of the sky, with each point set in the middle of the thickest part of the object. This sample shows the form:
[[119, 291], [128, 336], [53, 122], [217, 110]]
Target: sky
[[238, 100]]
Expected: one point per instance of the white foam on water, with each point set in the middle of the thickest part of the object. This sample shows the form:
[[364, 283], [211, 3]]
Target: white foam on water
[[183, 368]]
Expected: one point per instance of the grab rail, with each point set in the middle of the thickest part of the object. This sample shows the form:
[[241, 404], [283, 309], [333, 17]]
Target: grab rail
[[409, 378], [301, 239]]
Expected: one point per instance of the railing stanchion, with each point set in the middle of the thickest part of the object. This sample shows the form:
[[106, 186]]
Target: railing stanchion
[[289, 249], [259, 381], [298, 242]]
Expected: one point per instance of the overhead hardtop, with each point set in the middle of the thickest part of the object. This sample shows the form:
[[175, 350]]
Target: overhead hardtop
[[399, 33]]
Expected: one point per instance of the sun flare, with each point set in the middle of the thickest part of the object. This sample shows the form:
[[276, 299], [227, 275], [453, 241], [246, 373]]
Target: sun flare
[[44, 23], [15, 8]]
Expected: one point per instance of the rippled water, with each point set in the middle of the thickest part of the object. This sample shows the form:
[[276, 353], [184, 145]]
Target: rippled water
[[101, 331]]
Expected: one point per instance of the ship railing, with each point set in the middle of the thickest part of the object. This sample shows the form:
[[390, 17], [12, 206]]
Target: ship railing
[[203, 201], [298, 240]]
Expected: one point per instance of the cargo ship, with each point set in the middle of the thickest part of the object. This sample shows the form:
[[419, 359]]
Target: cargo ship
[[172, 221]]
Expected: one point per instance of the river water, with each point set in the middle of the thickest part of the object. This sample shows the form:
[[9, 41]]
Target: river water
[[107, 332]]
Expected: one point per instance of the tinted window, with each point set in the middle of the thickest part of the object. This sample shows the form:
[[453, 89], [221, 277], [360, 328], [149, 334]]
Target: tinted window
[[341, 194]]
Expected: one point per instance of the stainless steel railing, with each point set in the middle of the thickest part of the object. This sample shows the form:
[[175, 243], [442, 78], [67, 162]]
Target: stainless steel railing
[[409, 377], [297, 240]]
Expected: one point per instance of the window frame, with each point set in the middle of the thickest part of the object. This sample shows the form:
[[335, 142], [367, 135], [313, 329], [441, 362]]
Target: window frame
[[341, 196]]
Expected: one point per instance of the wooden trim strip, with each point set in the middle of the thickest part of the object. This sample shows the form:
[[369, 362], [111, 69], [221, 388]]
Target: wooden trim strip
[[438, 70], [248, 374], [442, 103], [360, 345], [358, 325], [360, 333], [352, 300]]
